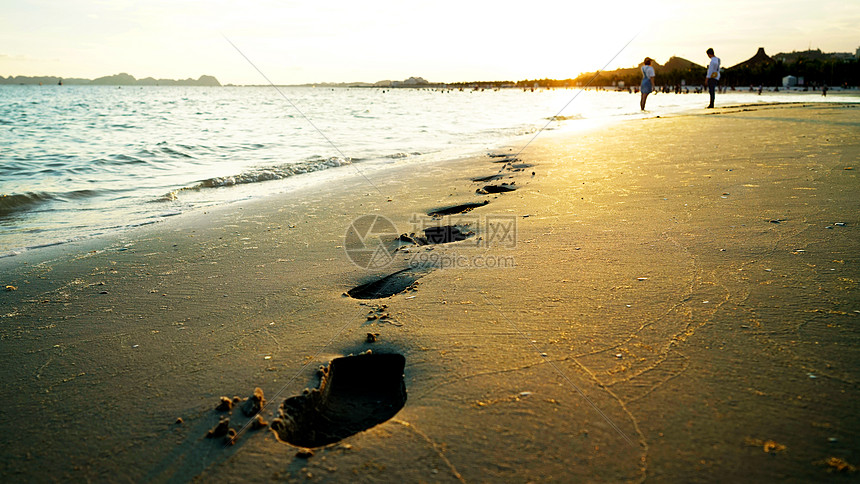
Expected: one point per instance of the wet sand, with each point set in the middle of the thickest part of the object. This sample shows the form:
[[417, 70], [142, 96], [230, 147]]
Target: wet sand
[[677, 301]]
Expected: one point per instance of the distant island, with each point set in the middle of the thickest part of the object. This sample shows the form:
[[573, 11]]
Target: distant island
[[121, 79]]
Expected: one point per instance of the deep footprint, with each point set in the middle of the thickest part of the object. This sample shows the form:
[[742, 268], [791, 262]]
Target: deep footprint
[[487, 178], [446, 234], [443, 234], [355, 394], [455, 209], [387, 286], [504, 187], [507, 160]]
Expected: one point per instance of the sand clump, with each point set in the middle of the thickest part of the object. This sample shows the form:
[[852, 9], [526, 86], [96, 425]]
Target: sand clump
[[254, 403]]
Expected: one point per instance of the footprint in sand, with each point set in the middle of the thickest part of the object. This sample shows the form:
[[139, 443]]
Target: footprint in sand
[[484, 179], [455, 209], [443, 234], [389, 285], [355, 394], [502, 188]]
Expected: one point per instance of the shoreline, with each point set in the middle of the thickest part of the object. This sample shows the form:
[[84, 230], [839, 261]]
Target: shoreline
[[196, 198], [675, 272]]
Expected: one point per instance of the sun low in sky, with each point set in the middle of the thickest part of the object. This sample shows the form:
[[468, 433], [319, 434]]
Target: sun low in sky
[[443, 41]]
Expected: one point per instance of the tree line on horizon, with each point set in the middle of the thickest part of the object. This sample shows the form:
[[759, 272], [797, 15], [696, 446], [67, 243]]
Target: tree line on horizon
[[758, 70], [814, 67]]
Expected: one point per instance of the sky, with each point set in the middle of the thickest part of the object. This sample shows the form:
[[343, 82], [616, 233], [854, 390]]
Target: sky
[[295, 42]]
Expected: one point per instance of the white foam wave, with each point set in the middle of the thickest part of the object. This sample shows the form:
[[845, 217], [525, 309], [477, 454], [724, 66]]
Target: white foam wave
[[257, 175]]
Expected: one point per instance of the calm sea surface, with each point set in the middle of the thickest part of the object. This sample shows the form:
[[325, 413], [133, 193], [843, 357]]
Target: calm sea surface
[[77, 161]]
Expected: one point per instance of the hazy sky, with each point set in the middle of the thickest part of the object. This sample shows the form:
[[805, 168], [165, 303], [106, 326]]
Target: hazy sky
[[442, 40]]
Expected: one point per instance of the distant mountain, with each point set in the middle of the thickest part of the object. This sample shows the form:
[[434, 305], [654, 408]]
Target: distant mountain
[[411, 82], [813, 67], [680, 64], [121, 79], [759, 59]]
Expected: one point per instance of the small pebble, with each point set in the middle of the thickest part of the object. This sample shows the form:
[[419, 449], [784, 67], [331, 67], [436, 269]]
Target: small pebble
[[304, 453]]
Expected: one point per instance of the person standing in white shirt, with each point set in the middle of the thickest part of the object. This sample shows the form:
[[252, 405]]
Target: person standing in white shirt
[[713, 75], [647, 81]]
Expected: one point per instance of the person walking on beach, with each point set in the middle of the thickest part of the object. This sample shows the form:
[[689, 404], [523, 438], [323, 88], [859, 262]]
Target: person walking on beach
[[647, 81], [713, 75]]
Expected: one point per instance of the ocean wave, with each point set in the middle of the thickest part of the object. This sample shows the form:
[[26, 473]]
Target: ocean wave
[[17, 202], [122, 159], [175, 152], [566, 118], [278, 172]]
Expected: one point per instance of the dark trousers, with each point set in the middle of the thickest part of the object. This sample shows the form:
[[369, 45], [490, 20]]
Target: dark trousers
[[712, 90]]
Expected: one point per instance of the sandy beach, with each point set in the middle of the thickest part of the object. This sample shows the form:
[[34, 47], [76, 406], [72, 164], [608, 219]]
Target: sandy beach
[[671, 299]]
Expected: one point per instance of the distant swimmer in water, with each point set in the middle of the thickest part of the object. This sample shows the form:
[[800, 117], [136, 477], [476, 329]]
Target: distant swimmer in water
[[647, 81]]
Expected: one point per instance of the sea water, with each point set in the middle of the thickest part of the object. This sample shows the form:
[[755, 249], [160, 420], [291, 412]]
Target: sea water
[[78, 161]]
